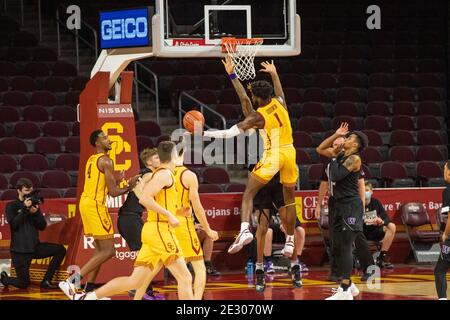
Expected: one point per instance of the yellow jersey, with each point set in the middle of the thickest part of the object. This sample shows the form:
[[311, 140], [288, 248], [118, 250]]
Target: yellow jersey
[[94, 180], [183, 202], [166, 198], [277, 131]]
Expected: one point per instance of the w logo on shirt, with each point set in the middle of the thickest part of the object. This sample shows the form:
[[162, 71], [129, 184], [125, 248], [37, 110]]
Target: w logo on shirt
[[445, 249], [351, 220]]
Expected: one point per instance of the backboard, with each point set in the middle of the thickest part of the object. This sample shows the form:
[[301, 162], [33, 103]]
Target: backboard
[[183, 28]]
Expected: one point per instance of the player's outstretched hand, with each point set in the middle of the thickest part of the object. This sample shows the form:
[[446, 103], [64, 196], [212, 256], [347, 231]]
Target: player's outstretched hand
[[228, 64], [269, 67], [173, 221], [343, 129], [212, 234]]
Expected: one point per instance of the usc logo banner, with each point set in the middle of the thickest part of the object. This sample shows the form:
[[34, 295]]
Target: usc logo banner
[[119, 145]]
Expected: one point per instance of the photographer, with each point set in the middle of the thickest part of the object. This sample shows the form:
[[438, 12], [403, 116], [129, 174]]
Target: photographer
[[26, 220]]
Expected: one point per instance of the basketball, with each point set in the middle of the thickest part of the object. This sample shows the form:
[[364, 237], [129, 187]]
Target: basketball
[[190, 118]]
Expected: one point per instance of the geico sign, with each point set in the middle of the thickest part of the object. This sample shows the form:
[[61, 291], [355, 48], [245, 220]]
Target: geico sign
[[129, 28]]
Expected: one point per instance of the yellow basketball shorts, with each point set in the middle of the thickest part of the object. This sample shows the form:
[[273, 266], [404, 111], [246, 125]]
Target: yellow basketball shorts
[[97, 222], [159, 244], [273, 160], [188, 239]]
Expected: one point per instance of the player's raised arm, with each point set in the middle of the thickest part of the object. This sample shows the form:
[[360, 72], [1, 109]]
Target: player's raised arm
[[159, 181], [340, 171], [192, 182], [253, 120], [325, 148], [105, 164], [246, 103], [269, 67]]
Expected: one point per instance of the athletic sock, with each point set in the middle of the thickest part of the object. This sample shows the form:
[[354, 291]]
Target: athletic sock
[[290, 239], [89, 286], [244, 226], [259, 266]]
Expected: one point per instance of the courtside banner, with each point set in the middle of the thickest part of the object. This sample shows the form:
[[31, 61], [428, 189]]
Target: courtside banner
[[222, 211]]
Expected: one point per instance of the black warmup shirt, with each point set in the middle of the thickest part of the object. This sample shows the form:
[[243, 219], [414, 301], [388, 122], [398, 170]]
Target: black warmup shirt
[[347, 187], [131, 204], [445, 203], [446, 196]]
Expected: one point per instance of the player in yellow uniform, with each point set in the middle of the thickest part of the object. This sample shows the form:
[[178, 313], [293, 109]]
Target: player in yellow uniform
[[272, 118], [188, 199], [99, 181], [159, 243]]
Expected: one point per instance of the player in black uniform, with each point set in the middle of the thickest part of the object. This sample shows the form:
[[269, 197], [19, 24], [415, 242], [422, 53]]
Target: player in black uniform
[[443, 264], [130, 221], [343, 177], [268, 198], [330, 152], [362, 251]]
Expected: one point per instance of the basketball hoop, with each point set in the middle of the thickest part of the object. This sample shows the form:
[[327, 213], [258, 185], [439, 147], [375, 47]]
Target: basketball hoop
[[242, 52]]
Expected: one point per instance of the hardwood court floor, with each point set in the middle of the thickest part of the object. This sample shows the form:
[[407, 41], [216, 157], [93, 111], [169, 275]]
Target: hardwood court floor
[[407, 282]]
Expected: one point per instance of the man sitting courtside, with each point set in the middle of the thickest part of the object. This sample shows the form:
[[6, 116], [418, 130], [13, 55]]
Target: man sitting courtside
[[378, 227], [276, 233]]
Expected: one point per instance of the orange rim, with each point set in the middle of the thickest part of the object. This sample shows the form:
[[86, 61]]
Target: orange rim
[[241, 41]]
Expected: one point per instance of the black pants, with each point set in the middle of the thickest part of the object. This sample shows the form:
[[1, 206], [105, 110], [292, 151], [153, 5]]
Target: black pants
[[130, 226], [344, 242], [22, 262], [333, 241], [440, 272], [362, 251]]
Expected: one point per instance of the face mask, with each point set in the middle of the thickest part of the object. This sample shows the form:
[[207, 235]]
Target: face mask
[[368, 195]]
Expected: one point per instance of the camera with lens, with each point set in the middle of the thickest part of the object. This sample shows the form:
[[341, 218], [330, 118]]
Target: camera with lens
[[35, 198]]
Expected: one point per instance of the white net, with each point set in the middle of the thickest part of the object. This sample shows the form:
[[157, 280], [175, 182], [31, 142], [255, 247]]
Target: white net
[[243, 54]]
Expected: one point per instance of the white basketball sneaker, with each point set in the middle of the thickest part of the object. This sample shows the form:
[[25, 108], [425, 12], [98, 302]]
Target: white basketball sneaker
[[242, 239], [68, 288], [87, 296], [340, 294], [354, 290]]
